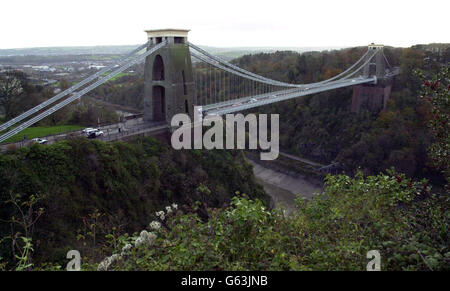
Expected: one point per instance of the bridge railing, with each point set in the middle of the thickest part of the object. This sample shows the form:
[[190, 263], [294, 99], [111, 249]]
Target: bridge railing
[[133, 131]]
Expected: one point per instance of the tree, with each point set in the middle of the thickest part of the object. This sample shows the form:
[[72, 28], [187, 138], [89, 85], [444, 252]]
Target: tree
[[10, 89], [64, 84]]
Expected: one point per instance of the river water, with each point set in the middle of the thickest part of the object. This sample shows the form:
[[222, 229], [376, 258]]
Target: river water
[[285, 188]]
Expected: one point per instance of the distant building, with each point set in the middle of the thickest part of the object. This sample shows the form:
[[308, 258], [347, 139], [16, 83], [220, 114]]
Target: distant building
[[97, 67]]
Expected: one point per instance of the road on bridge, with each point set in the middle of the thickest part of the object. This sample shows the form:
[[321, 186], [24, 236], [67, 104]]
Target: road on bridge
[[111, 133]]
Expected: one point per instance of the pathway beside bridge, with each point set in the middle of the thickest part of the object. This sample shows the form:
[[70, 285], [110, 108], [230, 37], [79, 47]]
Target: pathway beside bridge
[[303, 160]]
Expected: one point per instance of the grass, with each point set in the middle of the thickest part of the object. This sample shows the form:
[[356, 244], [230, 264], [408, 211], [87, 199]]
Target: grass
[[41, 131], [57, 84], [120, 75]]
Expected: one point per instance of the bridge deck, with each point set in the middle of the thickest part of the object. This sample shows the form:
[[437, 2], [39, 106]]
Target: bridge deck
[[273, 97], [111, 133]]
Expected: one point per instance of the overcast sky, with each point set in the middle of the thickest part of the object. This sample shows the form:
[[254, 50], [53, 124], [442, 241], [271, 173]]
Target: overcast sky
[[225, 23]]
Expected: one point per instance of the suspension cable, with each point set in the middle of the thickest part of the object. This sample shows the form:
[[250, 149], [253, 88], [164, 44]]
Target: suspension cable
[[79, 94], [273, 82], [276, 83], [70, 90]]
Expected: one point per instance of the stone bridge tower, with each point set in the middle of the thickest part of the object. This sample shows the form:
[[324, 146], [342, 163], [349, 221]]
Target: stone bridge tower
[[376, 67], [169, 85], [373, 97]]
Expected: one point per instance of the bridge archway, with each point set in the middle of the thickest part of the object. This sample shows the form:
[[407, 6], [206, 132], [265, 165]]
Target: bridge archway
[[159, 103], [158, 69]]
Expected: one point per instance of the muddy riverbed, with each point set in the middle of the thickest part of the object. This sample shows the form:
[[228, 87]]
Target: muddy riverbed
[[285, 188]]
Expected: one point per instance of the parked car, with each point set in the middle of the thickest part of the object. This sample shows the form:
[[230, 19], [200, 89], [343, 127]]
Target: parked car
[[94, 133], [86, 130], [39, 140]]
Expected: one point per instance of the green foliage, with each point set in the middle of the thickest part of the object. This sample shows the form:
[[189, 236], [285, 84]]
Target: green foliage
[[10, 89], [93, 187], [334, 231], [2, 264], [25, 254], [321, 126], [24, 217], [97, 191], [128, 90], [437, 92], [89, 113], [18, 94]]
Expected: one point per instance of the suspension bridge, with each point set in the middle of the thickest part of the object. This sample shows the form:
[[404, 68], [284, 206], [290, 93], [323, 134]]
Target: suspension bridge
[[180, 76]]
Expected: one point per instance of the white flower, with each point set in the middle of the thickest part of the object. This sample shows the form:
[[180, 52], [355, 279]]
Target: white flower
[[104, 265], [174, 206], [145, 239], [151, 238], [126, 248], [139, 242], [115, 257], [160, 214], [168, 209], [155, 225], [144, 234]]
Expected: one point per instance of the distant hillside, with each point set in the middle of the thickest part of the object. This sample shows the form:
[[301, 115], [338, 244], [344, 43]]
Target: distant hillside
[[227, 53], [74, 50], [434, 47], [235, 52]]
